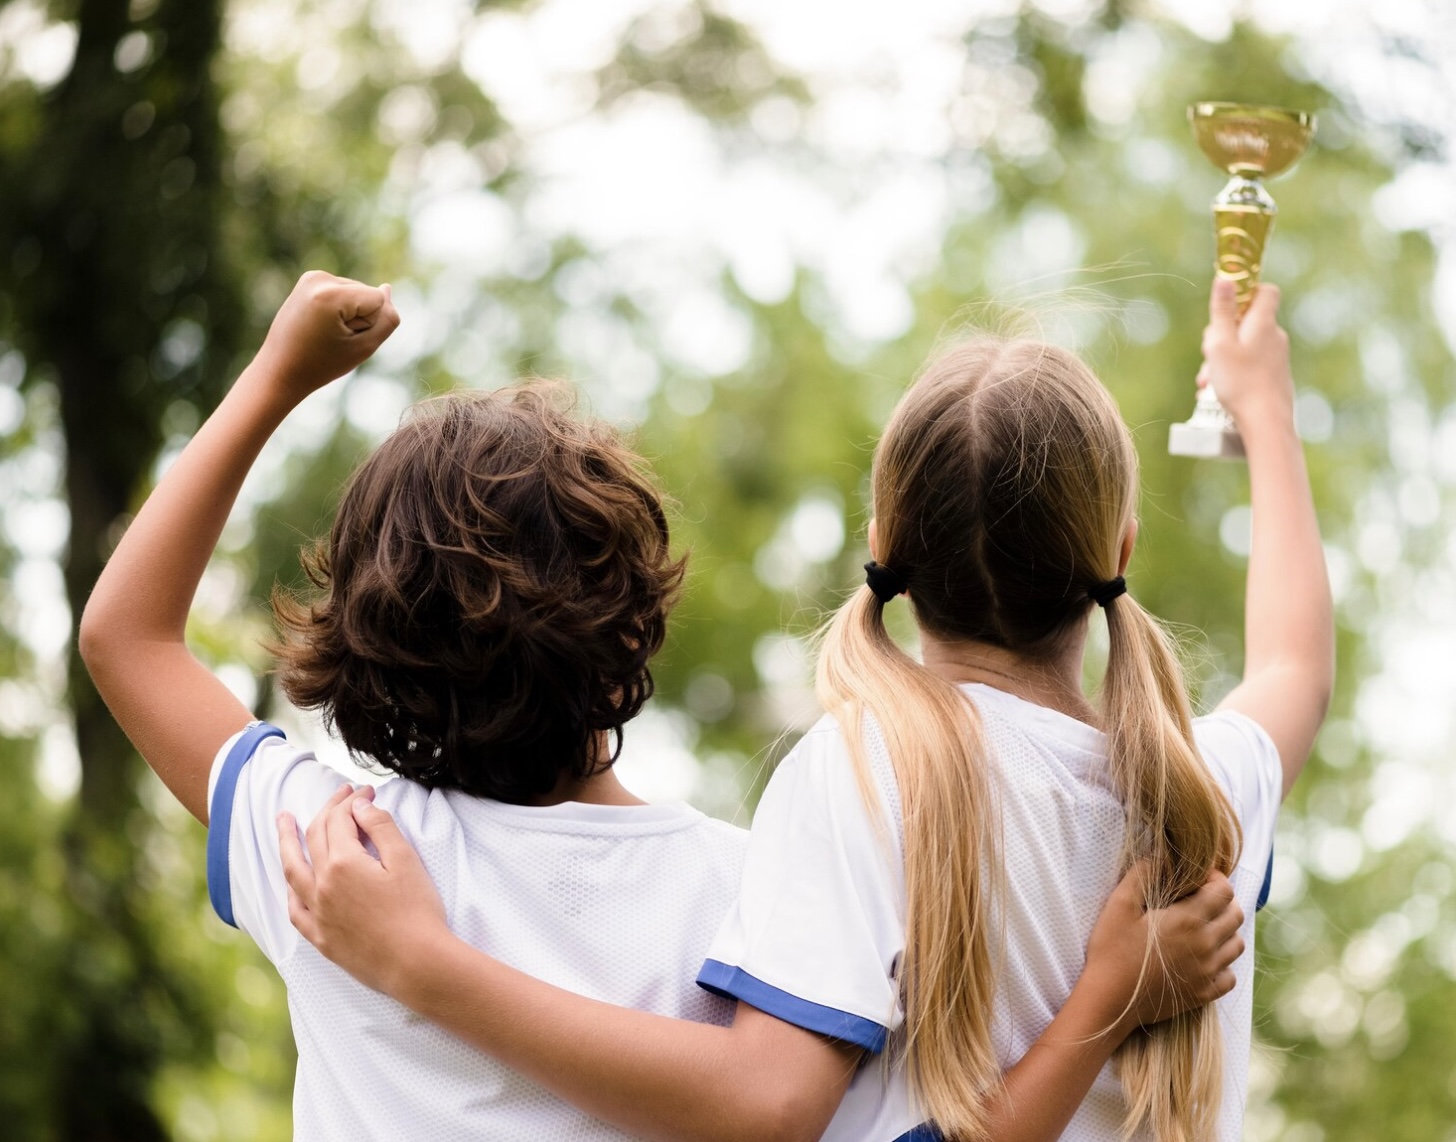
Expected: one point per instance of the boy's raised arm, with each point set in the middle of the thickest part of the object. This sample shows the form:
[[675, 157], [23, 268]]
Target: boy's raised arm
[[1289, 640], [132, 633], [762, 1078]]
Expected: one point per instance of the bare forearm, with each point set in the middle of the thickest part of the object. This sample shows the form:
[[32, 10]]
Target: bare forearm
[[1289, 649], [670, 1079], [132, 634], [1042, 1092], [1289, 662], [146, 589], [651, 1075], [1289, 612], [133, 631]]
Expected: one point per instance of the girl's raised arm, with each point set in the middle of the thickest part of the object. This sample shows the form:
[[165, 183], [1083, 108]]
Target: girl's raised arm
[[132, 633], [1289, 639], [762, 1078]]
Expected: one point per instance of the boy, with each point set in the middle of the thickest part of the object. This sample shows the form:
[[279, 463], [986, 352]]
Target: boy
[[497, 578]]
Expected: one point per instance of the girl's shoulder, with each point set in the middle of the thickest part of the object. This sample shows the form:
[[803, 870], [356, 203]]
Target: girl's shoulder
[[1244, 760], [823, 755], [822, 775]]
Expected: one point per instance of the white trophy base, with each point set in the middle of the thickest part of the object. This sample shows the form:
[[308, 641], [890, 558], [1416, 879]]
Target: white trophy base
[[1209, 433], [1209, 441]]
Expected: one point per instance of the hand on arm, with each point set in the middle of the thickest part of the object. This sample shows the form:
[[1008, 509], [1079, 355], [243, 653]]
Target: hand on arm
[[382, 921], [1289, 640], [132, 634]]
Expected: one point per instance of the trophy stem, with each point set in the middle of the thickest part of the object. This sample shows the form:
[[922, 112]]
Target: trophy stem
[[1243, 215]]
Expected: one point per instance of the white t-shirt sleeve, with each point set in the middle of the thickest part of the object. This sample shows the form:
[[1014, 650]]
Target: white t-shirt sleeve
[[255, 776], [1245, 762], [817, 931]]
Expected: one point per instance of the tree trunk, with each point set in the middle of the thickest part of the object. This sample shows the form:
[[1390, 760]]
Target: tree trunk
[[120, 299]]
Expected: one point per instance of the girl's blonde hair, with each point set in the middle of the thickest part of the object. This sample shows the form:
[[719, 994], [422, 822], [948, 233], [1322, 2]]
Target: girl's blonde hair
[[1003, 489]]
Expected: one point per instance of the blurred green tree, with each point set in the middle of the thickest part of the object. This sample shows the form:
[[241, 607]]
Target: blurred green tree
[[162, 196], [118, 294]]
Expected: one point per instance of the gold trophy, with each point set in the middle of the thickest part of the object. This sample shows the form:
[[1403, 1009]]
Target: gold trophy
[[1250, 143]]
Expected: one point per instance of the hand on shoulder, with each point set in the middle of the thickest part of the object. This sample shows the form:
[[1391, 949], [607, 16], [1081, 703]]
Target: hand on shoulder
[[374, 918]]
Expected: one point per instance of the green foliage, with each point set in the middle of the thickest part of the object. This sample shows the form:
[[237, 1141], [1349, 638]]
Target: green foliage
[[315, 149], [713, 63], [31, 927]]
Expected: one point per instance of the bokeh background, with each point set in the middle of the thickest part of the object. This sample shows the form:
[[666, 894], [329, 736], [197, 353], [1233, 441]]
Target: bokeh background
[[739, 225]]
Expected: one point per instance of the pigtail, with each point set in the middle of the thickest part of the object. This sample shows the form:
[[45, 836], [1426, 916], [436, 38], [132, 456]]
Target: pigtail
[[935, 743], [1180, 821]]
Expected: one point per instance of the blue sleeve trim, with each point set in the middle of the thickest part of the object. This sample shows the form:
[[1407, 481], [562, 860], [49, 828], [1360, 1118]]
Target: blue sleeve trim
[[220, 817], [735, 983], [1268, 884]]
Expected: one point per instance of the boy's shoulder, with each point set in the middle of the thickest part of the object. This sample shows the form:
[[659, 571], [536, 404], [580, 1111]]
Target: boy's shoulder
[[724, 837], [278, 760]]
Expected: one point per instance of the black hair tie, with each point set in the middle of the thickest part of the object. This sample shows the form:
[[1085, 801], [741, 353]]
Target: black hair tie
[[886, 584], [1104, 593]]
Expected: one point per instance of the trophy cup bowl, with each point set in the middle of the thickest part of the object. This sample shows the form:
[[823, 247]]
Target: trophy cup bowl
[[1251, 143]]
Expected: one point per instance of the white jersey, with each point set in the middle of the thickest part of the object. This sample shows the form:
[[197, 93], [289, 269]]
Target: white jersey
[[614, 902], [816, 935]]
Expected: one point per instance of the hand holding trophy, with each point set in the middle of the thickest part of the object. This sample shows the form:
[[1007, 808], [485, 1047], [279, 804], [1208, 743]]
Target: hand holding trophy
[[1250, 143]]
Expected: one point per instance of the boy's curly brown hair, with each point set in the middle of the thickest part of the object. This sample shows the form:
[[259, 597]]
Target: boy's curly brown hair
[[496, 580]]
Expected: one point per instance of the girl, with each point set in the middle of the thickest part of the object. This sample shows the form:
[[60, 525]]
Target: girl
[[926, 865]]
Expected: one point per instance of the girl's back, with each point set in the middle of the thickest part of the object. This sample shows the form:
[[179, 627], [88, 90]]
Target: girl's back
[[821, 916], [1062, 838]]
